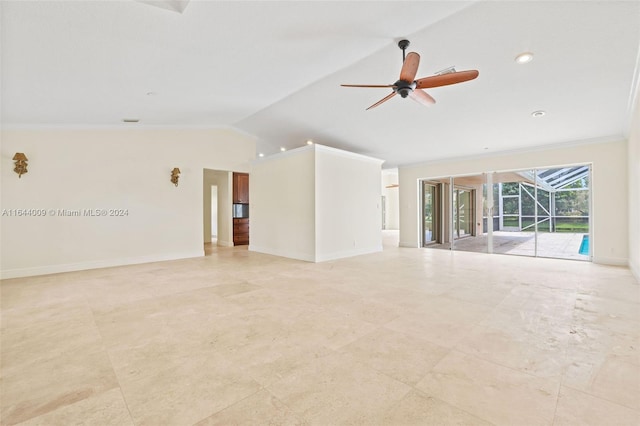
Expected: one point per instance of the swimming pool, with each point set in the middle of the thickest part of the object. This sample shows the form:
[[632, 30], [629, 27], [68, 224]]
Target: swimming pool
[[584, 246]]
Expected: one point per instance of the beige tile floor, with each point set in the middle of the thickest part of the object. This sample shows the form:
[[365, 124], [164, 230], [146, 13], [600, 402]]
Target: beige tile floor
[[401, 337]]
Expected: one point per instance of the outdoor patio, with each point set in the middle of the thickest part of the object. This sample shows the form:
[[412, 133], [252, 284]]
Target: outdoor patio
[[563, 245]]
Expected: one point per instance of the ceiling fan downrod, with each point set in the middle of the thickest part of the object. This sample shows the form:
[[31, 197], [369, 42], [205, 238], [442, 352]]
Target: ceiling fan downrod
[[403, 88], [403, 44]]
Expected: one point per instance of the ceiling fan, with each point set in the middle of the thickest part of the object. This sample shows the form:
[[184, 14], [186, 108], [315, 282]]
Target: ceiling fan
[[407, 86]]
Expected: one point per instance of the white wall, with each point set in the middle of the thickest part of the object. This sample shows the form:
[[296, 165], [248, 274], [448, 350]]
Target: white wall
[[634, 190], [348, 204], [223, 181], [282, 205], [315, 203], [109, 169], [610, 208]]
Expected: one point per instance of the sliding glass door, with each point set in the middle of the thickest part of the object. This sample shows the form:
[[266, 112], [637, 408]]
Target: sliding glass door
[[541, 212], [462, 213], [448, 211]]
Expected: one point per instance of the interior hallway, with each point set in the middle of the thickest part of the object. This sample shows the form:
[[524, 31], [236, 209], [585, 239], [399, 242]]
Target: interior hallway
[[405, 336]]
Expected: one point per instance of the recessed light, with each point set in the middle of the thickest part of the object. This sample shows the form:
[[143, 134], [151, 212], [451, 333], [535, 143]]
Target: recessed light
[[524, 57], [261, 155], [283, 149], [130, 120], [538, 113], [309, 142]]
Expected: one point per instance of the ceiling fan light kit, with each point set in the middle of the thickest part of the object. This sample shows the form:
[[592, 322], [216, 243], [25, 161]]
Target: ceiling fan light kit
[[407, 86]]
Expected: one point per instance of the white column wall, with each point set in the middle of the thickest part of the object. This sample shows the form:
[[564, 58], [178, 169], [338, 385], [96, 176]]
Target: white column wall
[[348, 204], [315, 203], [282, 205]]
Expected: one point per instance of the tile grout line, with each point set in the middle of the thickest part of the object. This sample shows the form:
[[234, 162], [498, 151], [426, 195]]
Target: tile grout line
[[106, 350]]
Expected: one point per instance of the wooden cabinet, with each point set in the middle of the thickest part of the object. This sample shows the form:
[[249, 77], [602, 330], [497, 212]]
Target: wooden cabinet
[[241, 196], [240, 231], [241, 188]]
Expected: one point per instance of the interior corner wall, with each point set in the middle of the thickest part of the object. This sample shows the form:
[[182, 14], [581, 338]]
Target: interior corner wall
[[223, 180], [96, 198], [348, 204], [610, 213], [282, 205], [634, 190]]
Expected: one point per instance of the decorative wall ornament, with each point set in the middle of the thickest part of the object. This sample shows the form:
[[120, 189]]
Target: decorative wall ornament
[[21, 163], [175, 175]]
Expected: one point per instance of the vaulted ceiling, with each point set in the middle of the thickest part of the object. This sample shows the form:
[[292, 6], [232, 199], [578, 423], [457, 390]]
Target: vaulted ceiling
[[274, 69]]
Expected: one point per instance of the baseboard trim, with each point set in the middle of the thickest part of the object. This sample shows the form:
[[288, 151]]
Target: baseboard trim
[[307, 257], [311, 258], [97, 264], [614, 261], [635, 270], [348, 253], [408, 244]]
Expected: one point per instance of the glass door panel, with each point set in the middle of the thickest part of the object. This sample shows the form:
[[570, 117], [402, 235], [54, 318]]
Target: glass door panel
[[563, 212], [463, 213], [430, 213], [468, 204], [514, 213], [454, 209]]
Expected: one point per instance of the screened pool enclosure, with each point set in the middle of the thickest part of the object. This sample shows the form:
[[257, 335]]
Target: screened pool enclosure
[[536, 212]]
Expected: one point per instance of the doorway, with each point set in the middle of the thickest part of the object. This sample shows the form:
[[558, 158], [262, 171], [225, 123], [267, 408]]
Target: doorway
[[217, 222], [214, 214], [448, 212]]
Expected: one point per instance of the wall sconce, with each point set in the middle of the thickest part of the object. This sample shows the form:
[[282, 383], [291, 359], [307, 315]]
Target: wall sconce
[[175, 175], [21, 163]]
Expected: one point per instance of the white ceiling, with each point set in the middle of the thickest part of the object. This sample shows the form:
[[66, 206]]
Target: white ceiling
[[274, 69]]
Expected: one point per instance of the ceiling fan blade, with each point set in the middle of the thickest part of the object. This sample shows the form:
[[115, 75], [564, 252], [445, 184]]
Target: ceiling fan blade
[[366, 85], [422, 97], [386, 98], [446, 79], [410, 67]]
